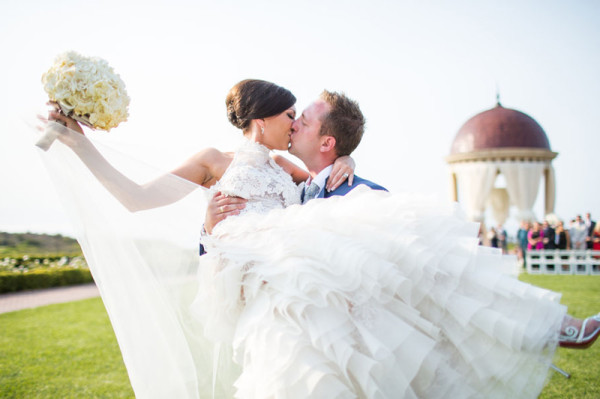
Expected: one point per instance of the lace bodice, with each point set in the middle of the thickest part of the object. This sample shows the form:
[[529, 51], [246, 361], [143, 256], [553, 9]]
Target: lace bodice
[[255, 176]]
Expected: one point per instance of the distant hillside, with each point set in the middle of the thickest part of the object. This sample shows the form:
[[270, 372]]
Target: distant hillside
[[15, 244]]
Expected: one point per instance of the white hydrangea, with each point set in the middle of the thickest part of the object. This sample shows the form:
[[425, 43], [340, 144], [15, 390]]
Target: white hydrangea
[[87, 89]]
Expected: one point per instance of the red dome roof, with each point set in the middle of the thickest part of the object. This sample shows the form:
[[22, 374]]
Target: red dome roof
[[499, 127]]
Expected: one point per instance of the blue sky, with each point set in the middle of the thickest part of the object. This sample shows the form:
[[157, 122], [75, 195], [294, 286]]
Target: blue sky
[[419, 70]]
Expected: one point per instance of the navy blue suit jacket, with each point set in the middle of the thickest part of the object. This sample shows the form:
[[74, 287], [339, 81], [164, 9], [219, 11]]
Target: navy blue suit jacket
[[344, 188]]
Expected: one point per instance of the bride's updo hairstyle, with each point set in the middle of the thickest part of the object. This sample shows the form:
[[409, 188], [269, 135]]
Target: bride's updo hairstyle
[[256, 99]]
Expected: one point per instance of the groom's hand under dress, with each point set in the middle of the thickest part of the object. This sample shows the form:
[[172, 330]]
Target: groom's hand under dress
[[221, 207]]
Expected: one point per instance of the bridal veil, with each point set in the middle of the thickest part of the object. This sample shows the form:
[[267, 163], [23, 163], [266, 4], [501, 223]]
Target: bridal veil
[[145, 265]]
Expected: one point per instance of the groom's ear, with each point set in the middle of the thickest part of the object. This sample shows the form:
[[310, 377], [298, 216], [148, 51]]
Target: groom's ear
[[327, 143]]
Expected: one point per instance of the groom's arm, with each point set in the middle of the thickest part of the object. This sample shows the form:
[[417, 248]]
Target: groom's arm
[[220, 207]]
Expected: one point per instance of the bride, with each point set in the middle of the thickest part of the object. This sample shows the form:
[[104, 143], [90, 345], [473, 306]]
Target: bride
[[350, 296]]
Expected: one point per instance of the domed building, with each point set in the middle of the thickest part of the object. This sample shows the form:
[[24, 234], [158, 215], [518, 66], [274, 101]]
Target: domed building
[[501, 141]]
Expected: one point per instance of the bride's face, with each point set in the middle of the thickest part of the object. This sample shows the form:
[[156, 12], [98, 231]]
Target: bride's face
[[278, 130]]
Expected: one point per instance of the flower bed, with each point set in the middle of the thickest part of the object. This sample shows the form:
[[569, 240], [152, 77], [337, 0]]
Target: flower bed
[[24, 273]]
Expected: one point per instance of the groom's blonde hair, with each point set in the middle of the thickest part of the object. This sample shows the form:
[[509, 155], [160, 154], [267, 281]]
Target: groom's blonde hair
[[344, 122]]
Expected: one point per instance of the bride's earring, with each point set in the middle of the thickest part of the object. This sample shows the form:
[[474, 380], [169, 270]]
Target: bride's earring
[[262, 130]]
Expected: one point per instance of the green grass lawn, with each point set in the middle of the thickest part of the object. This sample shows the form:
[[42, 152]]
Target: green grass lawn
[[61, 351], [70, 351], [582, 295]]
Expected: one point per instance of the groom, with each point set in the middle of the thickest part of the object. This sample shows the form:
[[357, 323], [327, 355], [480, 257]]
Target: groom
[[330, 127]]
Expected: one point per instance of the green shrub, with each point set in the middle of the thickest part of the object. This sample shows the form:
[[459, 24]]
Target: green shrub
[[43, 277]]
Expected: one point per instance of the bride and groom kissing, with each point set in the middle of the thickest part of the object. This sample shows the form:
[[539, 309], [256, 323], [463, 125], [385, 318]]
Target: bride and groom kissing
[[331, 127]]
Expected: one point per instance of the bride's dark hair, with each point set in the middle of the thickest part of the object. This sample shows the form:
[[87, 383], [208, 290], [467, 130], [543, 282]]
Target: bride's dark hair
[[256, 99]]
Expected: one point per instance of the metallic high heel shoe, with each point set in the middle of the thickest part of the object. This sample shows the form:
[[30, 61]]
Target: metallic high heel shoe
[[577, 339]]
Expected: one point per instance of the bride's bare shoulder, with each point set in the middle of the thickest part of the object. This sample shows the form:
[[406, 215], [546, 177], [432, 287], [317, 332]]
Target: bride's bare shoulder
[[212, 154], [205, 167], [298, 174]]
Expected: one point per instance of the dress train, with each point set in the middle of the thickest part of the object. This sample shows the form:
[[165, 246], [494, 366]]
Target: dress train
[[397, 300]]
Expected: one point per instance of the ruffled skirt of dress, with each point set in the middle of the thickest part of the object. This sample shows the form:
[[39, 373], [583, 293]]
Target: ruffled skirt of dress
[[373, 295]]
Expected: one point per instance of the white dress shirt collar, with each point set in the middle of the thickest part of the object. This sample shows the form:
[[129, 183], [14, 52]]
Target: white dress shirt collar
[[321, 177]]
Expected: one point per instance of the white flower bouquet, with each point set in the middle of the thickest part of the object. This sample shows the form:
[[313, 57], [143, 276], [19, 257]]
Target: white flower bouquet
[[86, 89]]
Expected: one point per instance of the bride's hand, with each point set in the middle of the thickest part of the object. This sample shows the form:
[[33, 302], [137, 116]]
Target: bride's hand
[[343, 168], [53, 132], [56, 115]]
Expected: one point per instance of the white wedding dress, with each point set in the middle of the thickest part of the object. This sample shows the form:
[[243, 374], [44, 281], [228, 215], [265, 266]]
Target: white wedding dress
[[370, 295]]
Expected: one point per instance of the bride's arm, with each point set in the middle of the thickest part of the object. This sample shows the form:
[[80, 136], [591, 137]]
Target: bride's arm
[[134, 196], [298, 174], [343, 168]]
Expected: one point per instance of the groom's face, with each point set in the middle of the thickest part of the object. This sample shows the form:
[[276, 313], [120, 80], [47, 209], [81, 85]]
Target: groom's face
[[305, 141]]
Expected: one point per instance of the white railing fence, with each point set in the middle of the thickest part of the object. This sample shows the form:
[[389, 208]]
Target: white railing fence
[[551, 261]]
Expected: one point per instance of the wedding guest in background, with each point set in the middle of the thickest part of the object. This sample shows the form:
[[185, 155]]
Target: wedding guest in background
[[482, 235], [522, 239], [562, 241], [502, 238], [562, 237], [548, 240], [570, 229], [535, 238], [493, 237], [549, 233], [596, 238], [590, 226], [578, 233]]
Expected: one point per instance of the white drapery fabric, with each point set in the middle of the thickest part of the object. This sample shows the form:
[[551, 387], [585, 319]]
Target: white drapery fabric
[[475, 181], [522, 184], [500, 204], [146, 266], [476, 187], [550, 191]]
